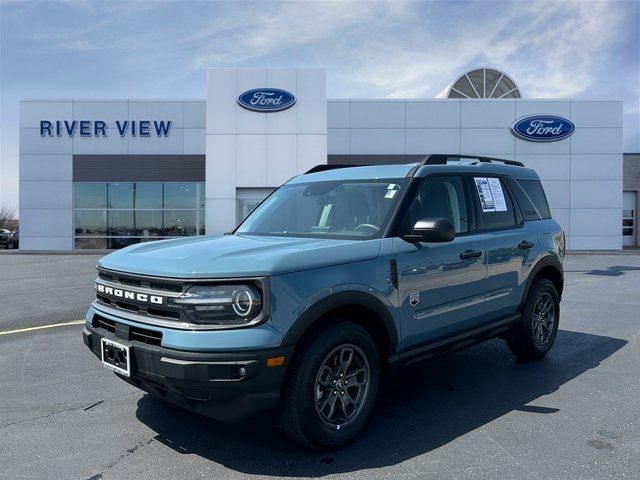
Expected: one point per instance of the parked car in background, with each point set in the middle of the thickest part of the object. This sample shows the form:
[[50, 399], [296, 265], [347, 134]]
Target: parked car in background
[[9, 239], [5, 236]]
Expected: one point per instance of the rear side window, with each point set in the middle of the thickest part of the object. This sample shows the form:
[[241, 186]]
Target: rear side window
[[535, 196], [496, 208]]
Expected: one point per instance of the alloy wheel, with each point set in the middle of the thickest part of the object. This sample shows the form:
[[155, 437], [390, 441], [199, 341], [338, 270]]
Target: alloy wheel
[[544, 318], [342, 386]]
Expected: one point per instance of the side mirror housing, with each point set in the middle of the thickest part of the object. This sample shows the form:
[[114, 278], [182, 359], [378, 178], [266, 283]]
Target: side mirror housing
[[432, 230]]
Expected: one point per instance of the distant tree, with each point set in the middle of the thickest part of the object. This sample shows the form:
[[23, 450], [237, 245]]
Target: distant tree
[[7, 217]]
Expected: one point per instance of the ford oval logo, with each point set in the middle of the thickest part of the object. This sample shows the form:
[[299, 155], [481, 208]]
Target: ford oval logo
[[542, 128], [266, 100]]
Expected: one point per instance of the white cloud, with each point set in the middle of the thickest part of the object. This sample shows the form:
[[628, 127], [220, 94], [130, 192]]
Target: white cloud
[[370, 49], [550, 49]]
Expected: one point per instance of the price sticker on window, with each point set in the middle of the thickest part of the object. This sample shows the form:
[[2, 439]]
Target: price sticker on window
[[490, 194]]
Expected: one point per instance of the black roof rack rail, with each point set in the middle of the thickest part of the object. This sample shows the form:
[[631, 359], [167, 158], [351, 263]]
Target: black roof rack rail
[[324, 168], [442, 159]]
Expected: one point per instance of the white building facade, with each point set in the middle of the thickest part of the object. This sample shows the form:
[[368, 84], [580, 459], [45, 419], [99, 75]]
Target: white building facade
[[104, 174]]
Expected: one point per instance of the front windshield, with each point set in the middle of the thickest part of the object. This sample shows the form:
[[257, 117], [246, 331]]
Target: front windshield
[[349, 209]]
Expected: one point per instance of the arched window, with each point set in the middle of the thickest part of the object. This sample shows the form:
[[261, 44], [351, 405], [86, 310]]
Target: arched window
[[484, 83]]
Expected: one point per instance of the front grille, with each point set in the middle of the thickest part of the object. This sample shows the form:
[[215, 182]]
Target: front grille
[[166, 287], [147, 285], [156, 312], [143, 335], [126, 332], [104, 323], [143, 282]]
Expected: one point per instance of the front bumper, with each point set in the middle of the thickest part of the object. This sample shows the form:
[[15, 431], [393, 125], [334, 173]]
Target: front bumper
[[225, 386]]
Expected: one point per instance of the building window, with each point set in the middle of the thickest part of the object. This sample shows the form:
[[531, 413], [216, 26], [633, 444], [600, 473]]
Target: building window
[[484, 83], [627, 223], [91, 195], [118, 214], [120, 195]]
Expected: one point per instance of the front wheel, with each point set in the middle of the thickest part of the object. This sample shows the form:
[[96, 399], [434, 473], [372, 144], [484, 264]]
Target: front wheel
[[331, 387], [536, 333]]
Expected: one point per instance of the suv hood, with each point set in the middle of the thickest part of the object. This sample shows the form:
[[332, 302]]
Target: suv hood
[[227, 256]]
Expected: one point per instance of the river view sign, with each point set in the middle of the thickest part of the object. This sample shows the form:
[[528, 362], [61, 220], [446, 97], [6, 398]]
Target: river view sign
[[100, 128]]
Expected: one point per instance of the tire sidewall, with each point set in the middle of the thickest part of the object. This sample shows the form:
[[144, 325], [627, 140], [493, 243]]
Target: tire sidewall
[[541, 287], [312, 426]]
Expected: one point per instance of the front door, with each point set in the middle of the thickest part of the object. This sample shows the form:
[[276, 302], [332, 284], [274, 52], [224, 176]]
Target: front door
[[441, 285]]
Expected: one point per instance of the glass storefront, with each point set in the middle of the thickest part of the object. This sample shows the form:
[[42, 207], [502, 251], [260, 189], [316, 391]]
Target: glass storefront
[[117, 214]]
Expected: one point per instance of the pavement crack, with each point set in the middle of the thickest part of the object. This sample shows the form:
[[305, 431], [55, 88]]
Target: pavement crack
[[51, 414], [40, 417], [130, 451], [93, 405]]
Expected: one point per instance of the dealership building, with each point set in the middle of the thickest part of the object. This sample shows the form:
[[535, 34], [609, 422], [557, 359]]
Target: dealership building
[[98, 174]]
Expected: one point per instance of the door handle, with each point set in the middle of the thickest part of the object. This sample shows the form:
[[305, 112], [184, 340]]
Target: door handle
[[470, 254], [525, 245]]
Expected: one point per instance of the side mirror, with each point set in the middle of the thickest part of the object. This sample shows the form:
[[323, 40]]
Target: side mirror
[[432, 229]]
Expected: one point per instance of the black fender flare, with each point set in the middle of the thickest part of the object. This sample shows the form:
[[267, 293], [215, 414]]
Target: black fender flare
[[546, 261], [343, 299]]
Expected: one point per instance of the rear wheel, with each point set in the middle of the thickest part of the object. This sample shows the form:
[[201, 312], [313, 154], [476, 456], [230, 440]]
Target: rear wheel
[[536, 333], [331, 387]]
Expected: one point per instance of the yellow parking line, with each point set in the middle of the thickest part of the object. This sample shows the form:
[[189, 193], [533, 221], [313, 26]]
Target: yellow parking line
[[42, 327]]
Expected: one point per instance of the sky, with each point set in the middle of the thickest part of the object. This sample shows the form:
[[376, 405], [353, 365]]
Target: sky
[[160, 50]]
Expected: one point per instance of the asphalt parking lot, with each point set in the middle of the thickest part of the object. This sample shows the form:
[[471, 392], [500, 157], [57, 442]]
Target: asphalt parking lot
[[473, 414]]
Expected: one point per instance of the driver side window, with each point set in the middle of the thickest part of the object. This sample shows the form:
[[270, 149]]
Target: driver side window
[[442, 197]]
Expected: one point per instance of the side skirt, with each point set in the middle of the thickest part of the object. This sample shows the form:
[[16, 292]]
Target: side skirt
[[435, 348]]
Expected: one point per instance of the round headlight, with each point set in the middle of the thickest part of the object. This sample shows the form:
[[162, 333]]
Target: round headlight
[[244, 300]]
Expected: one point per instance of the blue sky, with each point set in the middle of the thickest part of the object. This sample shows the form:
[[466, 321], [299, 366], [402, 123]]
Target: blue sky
[[145, 49]]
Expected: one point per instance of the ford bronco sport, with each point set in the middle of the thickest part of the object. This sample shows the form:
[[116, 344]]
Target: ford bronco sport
[[338, 275]]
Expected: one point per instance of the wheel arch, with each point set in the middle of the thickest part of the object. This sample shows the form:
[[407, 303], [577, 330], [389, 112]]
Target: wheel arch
[[548, 267], [362, 308]]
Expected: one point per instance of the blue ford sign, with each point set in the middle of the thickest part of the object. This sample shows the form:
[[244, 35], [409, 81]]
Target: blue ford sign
[[266, 100], [542, 128]]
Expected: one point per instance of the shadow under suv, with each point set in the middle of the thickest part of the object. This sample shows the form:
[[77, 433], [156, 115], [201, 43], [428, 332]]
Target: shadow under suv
[[339, 275]]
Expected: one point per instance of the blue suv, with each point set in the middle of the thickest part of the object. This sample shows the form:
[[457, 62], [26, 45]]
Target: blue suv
[[337, 276]]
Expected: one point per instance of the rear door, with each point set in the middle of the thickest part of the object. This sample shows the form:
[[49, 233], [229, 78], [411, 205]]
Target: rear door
[[441, 285], [511, 244]]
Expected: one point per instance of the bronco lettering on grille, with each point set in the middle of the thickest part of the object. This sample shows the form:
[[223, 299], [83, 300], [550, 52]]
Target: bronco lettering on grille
[[127, 295]]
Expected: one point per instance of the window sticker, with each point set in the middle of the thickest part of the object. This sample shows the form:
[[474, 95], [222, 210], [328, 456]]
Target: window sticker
[[498, 195], [392, 189], [484, 194], [390, 193], [490, 194]]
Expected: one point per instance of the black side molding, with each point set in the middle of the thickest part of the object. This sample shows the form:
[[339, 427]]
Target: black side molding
[[449, 344], [546, 261]]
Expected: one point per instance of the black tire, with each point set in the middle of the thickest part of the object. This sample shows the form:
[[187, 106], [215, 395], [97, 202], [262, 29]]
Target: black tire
[[534, 337], [303, 394]]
